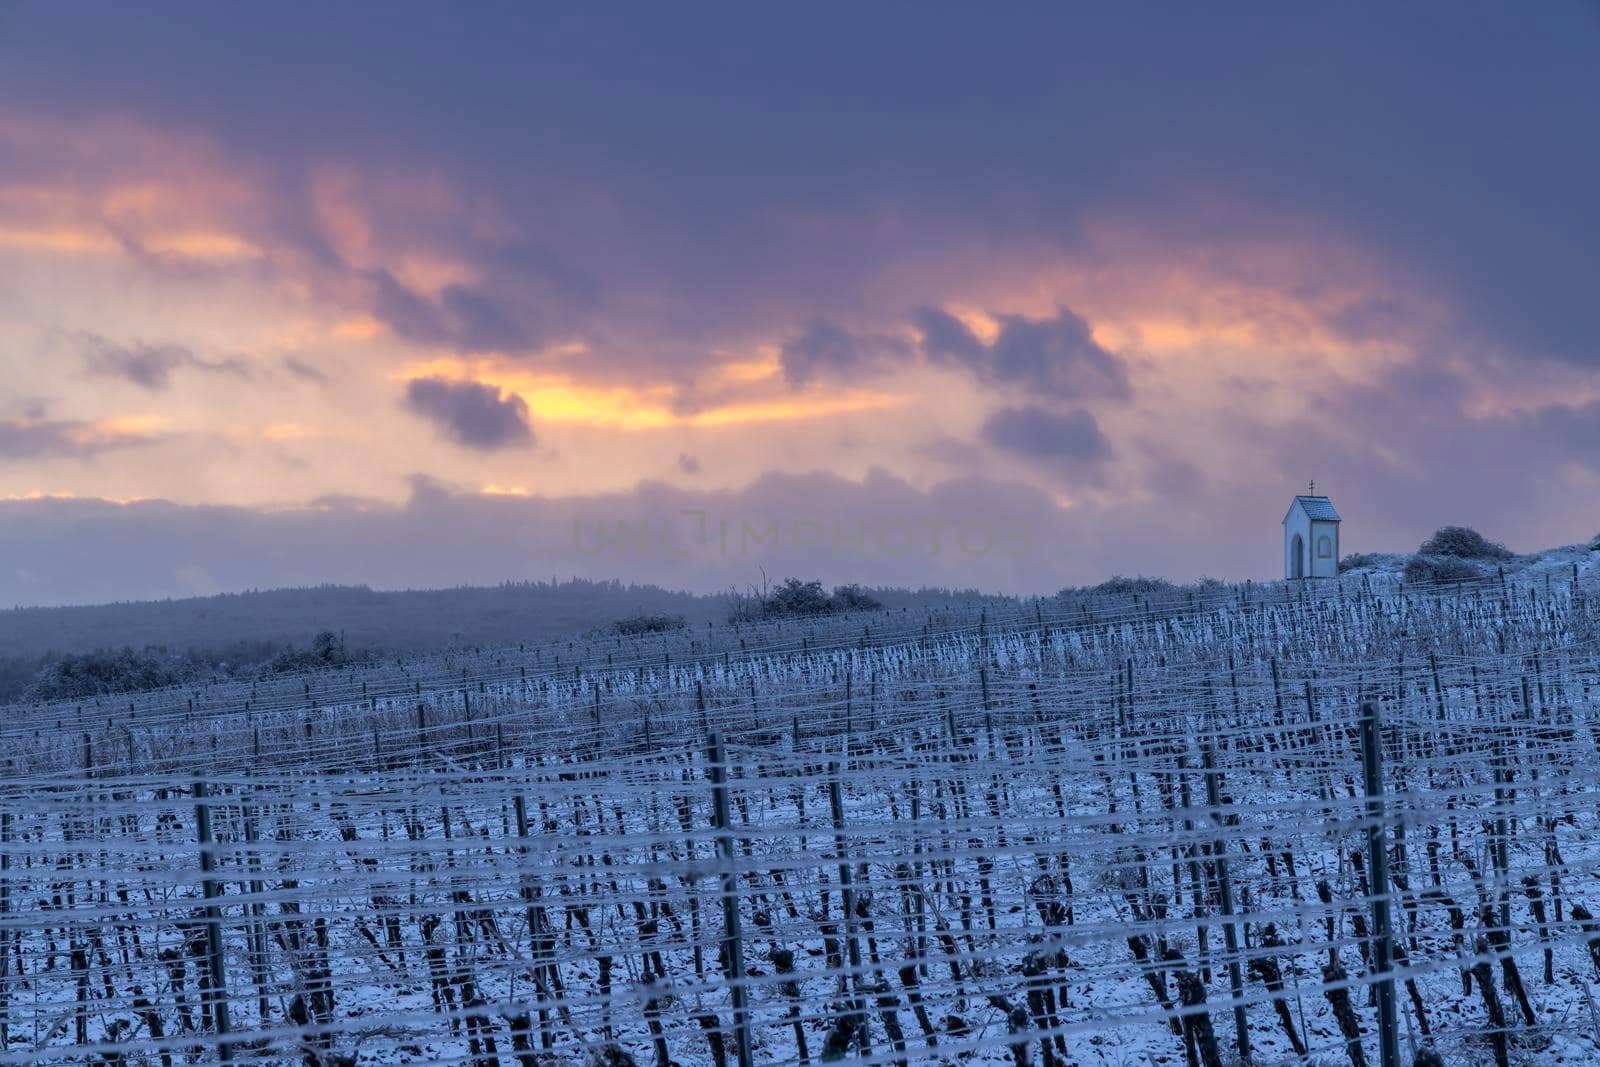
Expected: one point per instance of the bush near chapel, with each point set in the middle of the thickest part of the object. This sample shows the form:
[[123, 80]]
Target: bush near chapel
[[1463, 542], [1119, 585]]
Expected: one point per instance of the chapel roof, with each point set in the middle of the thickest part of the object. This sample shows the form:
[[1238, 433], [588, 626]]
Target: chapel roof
[[1319, 508]]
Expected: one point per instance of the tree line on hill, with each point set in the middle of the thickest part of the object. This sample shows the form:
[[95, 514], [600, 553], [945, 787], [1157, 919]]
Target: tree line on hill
[[105, 671]]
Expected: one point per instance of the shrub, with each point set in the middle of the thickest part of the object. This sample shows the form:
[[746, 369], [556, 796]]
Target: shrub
[[853, 597], [1355, 560], [106, 671], [1462, 541], [1117, 585], [634, 625], [327, 650], [1428, 569], [797, 599]]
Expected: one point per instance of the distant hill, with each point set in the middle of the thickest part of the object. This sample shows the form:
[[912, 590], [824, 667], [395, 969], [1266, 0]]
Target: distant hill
[[404, 621], [241, 632], [250, 628]]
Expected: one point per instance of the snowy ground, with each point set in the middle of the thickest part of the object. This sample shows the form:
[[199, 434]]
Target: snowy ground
[[1017, 798]]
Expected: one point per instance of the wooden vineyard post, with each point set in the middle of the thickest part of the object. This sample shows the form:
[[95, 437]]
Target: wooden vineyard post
[[1230, 930], [1378, 863], [5, 937], [988, 713], [722, 819], [543, 965], [257, 911], [218, 991], [849, 709], [847, 897]]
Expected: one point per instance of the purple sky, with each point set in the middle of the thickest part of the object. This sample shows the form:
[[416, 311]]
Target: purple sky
[[916, 293]]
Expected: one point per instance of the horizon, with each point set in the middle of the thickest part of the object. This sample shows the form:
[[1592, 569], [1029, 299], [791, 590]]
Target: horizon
[[557, 582]]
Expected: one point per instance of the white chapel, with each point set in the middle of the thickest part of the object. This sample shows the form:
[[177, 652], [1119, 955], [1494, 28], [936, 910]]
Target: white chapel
[[1311, 537]]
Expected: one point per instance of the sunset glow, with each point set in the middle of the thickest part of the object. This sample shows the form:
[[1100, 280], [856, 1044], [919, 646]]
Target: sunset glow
[[552, 289]]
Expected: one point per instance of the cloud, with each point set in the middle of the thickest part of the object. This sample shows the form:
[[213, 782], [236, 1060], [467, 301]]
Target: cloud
[[688, 464], [484, 324], [408, 314], [465, 317], [977, 532], [946, 338], [1373, 318], [950, 451], [37, 438], [303, 370], [634, 239], [1055, 357], [33, 437], [823, 345], [727, 209], [148, 366], [1041, 434], [472, 414]]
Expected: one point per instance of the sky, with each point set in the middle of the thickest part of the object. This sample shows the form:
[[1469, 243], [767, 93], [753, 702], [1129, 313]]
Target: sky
[[1009, 296]]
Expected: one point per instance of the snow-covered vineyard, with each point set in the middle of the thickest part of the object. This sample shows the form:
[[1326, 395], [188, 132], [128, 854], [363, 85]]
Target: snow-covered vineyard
[[1110, 831]]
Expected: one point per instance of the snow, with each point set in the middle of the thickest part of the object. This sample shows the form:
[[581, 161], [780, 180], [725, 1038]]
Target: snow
[[982, 760]]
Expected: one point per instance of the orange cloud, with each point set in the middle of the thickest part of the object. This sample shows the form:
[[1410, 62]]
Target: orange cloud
[[432, 274], [984, 326], [764, 367], [558, 398], [201, 244], [41, 494], [121, 188], [359, 328], [287, 431], [58, 239], [783, 410], [117, 429]]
